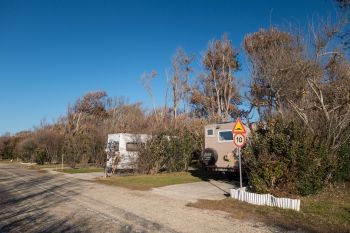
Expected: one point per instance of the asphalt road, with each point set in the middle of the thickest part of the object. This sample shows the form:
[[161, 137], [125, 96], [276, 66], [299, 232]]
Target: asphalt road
[[34, 201]]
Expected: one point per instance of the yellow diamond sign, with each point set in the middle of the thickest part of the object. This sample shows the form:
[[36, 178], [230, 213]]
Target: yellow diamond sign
[[238, 127]]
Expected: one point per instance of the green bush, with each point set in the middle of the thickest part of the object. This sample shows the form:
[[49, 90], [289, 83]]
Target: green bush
[[315, 166], [7, 147], [285, 157], [40, 156], [167, 151], [343, 171], [26, 149]]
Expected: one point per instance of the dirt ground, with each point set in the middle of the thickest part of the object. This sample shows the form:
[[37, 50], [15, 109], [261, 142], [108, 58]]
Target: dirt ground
[[33, 201]]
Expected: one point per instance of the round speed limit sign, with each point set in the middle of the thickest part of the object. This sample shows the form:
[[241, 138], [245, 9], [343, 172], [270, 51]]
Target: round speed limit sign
[[239, 140]]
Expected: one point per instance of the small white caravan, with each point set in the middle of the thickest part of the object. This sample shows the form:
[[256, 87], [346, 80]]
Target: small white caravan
[[125, 147]]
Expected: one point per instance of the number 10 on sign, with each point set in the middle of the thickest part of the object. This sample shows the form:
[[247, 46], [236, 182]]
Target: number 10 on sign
[[239, 140]]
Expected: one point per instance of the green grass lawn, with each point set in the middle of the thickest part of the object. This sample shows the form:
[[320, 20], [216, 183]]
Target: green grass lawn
[[328, 211], [42, 166], [145, 182], [81, 170]]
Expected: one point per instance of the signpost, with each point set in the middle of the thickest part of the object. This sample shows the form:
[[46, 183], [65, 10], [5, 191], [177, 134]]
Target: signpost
[[239, 140]]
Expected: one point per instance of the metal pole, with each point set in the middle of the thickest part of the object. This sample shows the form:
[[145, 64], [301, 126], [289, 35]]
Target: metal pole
[[240, 167], [62, 162]]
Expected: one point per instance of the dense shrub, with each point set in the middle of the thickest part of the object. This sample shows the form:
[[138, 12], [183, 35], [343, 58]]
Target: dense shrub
[[168, 151], [286, 157], [7, 147], [40, 156], [25, 150], [84, 147], [343, 171]]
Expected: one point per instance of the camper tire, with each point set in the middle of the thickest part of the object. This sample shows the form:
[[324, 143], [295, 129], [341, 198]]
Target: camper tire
[[209, 157]]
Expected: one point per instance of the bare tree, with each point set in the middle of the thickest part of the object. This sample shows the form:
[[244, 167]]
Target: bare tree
[[216, 93], [91, 108], [325, 108], [146, 80], [181, 64], [290, 77], [167, 76], [278, 70]]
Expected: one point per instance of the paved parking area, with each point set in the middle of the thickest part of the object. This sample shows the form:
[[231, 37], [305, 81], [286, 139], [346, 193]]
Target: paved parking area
[[211, 190], [82, 176]]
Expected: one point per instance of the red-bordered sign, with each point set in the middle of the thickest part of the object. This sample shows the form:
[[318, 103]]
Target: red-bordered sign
[[239, 140], [238, 127]]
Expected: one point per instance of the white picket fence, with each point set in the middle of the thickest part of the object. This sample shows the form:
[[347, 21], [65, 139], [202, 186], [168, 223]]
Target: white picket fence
[[265, 199]]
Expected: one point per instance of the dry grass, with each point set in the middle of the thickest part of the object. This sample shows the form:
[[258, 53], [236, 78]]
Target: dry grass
[[146, 182], [328, 211]]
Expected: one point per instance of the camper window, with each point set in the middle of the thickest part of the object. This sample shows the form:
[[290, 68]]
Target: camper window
[[115, 146], [225, 136], [210, 132], [133, 146], [112, 146]]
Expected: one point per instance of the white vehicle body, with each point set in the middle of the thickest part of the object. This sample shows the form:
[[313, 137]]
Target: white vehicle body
[[126, 147]]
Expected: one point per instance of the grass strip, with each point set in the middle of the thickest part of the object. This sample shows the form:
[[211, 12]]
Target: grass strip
[[146, 182]]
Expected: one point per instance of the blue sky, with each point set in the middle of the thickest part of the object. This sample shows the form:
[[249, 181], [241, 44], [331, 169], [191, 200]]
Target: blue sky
[[52, 52]]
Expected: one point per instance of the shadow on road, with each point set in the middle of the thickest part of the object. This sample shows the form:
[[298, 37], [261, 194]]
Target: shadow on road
[[206, 175], [25, 202]]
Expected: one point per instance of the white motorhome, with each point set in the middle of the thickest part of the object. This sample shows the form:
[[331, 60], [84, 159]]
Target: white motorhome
[[124, 147], [219, 153]]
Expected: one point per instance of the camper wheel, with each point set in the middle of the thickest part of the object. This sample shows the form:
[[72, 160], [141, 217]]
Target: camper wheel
[[210, 156]]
